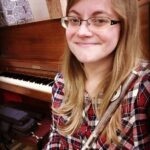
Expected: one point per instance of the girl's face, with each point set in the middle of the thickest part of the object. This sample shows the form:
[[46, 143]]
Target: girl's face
[[88, 43]]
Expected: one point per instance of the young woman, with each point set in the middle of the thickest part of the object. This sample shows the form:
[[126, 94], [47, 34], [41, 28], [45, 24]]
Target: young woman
[[103, 49]]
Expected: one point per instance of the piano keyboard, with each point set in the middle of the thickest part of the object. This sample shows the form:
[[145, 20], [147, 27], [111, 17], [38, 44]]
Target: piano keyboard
[[27, 81]]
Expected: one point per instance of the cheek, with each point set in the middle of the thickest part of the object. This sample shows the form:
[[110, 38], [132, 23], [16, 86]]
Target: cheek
[[69, 34], [115, 37], [111, 37]]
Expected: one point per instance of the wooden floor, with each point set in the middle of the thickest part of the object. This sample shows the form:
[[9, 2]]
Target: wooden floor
[[20, 146]]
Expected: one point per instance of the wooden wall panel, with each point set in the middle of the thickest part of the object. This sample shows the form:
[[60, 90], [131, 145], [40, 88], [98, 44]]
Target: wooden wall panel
[[54, 8], [145, 25]]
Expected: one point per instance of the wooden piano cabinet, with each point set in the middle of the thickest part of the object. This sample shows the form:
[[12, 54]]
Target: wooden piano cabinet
[[27, 92], [32, 49], [25, 102], [42, 41]]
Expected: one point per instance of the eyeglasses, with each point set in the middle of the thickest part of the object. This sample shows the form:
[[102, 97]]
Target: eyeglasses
[[94, 22]]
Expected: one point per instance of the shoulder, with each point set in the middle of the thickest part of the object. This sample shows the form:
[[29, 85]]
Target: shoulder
[[58, 81], [58, 90], [143, 85], [143, 68], [138, 95], [143, 71]]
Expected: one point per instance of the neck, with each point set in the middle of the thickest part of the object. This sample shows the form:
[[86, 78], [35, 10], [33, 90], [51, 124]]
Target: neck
[[96, 73], [98, 70]]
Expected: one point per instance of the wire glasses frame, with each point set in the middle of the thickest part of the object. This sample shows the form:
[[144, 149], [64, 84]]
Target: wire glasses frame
[[97, 22]]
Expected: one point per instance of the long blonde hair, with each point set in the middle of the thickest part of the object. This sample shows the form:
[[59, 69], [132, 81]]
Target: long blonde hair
[[126, 54]]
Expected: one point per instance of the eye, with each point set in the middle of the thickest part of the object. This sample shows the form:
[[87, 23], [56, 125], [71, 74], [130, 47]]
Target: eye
[[100, 21], [73, 21]]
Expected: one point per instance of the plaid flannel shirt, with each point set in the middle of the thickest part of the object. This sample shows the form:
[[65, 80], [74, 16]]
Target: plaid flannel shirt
[[135, 119]]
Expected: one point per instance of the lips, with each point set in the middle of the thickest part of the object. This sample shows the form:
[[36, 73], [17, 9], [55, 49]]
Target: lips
[[86, 43]]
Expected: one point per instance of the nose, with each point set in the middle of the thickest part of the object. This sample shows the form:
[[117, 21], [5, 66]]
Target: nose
[[84, 30]]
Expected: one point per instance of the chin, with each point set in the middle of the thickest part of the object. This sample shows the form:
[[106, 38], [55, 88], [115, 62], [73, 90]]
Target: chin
[[86, 61]]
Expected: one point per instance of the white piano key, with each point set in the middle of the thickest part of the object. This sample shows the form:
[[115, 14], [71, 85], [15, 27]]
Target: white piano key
[[27, 84]]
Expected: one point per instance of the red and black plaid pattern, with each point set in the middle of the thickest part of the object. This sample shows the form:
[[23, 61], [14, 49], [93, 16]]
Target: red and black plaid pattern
[[135, 133]]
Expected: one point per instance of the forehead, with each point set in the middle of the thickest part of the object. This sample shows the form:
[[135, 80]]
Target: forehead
[[89, 7]]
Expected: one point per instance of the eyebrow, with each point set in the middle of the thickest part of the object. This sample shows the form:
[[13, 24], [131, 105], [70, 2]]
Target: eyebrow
[[73, 11], [93, 14]]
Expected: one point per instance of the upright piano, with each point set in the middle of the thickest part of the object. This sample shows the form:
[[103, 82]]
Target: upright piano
[[30, 56]]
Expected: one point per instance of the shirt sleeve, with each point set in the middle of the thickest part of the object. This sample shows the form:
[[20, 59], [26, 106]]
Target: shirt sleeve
[[56, 140], [141, 119], [58, 91], [135, 132], [57, 97]]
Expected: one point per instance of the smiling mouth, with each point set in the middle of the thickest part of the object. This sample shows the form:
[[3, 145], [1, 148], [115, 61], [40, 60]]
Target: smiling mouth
[[86, 44]]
